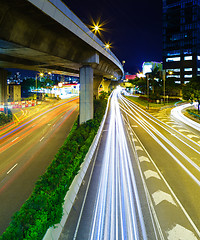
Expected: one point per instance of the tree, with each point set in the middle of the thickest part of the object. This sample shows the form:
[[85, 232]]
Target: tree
[[171, 86], [141, 83], [28, 84], [45, 82], [191, 91]]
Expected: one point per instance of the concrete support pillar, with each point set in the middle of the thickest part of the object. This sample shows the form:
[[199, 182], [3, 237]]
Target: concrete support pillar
[[86, 94], [3, 86], [96, 83], [105, 85]]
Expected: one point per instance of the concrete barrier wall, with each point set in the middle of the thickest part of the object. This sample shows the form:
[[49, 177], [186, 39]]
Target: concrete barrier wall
[[53, 233]]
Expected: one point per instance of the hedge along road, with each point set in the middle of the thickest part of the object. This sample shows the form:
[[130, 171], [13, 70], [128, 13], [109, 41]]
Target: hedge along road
[[26, 153]]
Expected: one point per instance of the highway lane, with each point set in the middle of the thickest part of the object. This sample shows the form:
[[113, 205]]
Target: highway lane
[[168, 158], [109, 204], [26, 151], [143, 182]]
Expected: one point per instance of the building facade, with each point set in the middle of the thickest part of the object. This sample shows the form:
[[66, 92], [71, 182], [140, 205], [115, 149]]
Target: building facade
[[181, 39]]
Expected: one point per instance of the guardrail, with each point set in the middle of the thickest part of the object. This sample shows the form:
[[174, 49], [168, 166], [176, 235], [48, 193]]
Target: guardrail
[[53, 233]]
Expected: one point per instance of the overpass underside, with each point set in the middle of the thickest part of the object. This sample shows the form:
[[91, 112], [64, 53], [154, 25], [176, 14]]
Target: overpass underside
[[35, 39]]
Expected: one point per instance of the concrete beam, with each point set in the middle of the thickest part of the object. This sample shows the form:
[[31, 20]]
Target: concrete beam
[[86, 94], [3, 86]]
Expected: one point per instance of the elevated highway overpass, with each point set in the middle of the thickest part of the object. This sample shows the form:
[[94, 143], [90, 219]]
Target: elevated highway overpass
[[45, 36]]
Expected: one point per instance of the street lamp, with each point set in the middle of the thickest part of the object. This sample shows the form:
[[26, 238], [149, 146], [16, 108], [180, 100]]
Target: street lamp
[[147, 76], [164, 79], [107, 46], [59, 87], [41, 74]]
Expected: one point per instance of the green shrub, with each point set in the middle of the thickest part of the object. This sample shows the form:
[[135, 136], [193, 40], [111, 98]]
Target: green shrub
[[5, 118], [44, 207]]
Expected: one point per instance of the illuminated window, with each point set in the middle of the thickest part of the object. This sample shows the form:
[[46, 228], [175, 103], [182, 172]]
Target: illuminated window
[[198, 69], [173, 70], [179, 82], [188, 69], [173, 53], [188, 76], [175, 76], [173, 59], [188, 58], [185, 82], [198, 57]]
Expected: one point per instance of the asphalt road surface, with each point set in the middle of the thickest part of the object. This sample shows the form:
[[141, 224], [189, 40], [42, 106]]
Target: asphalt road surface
[[27, 147], [143, 182]]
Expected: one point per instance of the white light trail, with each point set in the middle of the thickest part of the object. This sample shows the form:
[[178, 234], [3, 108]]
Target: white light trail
[[147, 126], [132, 107], [117, 213], [176, 113], [133, 110], [154, 216]]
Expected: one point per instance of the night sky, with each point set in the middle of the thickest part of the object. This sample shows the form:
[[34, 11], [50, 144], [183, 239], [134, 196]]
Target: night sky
[[134, 27]]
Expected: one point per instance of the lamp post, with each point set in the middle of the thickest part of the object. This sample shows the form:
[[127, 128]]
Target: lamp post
[[36, 83], [164, 79], [148, 85], [59, 87]]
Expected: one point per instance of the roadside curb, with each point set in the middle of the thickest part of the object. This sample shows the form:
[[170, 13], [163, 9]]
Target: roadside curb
[[53, 233]]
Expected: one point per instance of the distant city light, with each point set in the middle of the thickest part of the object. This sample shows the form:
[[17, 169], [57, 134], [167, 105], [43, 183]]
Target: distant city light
[[60, 84]]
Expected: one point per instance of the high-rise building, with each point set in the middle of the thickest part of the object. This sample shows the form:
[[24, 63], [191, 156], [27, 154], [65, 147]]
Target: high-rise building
[[181, 39]]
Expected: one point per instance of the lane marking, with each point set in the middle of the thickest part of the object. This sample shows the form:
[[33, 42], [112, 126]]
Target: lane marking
[[173, 194], [183, 130], [161, 196], [12, 168], [192, 136], [15, 139], [134, 139], [41, 139], [149, 173], [179, 232], [138, 148], [143, 159], [174, 125]]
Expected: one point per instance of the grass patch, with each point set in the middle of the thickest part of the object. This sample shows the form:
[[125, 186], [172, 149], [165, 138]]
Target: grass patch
[[194, 113], [143, 102]]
